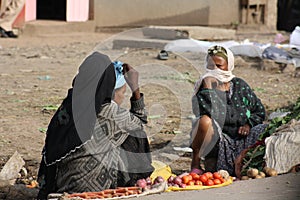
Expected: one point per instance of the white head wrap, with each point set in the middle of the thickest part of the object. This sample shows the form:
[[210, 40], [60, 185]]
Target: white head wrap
[[221, 75]]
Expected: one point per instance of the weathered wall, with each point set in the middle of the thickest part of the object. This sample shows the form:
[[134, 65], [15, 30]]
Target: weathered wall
[[91, 11], [224, 12], [109, 13], [271, 14]]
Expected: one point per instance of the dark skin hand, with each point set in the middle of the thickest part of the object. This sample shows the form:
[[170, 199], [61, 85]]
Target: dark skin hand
[[214, 62], [132, 79], [244, 130]]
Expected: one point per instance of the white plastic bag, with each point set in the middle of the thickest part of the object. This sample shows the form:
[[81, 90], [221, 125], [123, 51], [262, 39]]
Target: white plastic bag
[[295, 37]]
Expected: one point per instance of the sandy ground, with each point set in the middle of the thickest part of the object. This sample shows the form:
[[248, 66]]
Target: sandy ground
[[36, 71]]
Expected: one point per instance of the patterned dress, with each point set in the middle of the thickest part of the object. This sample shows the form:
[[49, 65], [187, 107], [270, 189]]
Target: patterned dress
[[110, 159], [230, 110]]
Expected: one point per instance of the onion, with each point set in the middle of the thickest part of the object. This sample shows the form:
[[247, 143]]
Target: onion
[[148, 181], [171, 179], [252, 172], [177, 180], [141, 183], [159, 179], [182, 185]]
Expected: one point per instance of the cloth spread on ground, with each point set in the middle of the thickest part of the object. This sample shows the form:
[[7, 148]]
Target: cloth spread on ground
[[283, 148]]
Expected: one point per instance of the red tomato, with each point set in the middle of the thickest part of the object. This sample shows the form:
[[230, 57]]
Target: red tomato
[[190, 177], [195, 177], [191, 183], [203, 178], [217, 175], [192, 173], [222, 180], [209, 175], [185, 179], [198, 182], [209, 182], [217, 181]]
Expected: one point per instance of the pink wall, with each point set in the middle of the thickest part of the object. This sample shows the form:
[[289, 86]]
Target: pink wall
[[77, 10], [30, 10]]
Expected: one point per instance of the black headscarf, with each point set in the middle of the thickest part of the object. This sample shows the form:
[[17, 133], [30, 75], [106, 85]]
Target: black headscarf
[[73, 123]]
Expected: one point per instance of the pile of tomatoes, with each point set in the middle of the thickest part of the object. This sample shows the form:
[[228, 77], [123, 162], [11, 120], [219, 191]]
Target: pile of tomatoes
[[191, 179]]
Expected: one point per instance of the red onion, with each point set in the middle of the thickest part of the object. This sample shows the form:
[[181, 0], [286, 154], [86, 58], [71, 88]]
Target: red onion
[[171, 179], [177, 180], [141, 183], [148, 181], [159, 179]]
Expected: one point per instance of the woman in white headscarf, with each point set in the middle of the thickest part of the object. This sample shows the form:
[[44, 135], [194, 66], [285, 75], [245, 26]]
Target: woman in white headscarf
[[229, 115]]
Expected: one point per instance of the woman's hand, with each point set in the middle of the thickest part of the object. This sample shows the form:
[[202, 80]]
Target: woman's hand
[[244, 130], [210, 83], [132, 79]]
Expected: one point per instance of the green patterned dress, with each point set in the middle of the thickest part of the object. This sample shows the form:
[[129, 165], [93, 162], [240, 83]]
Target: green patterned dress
[[230, 110]]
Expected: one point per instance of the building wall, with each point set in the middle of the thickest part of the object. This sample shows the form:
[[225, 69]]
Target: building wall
[[91, 9], [111, 13], [271, 14], [224, 12]]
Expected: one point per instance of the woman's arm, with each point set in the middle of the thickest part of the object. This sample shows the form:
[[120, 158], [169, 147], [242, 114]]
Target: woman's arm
[[133, 119], [136, 117]]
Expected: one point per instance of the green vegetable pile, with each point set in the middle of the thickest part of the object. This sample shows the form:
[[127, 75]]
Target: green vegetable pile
[[255, 154]]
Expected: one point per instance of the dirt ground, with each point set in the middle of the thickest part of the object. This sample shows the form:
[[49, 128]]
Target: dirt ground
[[35, 73]]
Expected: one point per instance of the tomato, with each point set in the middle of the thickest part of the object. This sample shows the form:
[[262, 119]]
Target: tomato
[[198, 182], [192, 173], [185, 179], [222, 180], [209, 182], [191, 183], [190, 177], [195, 176], [217, 175], [203, 178], [217, 181], [209, 175]]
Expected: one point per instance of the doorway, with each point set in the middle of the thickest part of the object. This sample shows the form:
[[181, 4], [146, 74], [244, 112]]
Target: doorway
[[51, 9], [288, 15]]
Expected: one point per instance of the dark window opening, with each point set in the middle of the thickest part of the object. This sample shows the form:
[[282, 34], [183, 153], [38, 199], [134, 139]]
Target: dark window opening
[[51, 9], [288, 14]]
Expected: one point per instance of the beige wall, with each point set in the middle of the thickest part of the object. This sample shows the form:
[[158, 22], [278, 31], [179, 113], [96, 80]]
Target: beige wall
[[271, 14], [108, 13], [224, 12]]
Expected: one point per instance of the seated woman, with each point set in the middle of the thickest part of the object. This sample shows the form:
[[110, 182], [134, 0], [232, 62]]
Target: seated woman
[[92, 143], [229, 115]]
